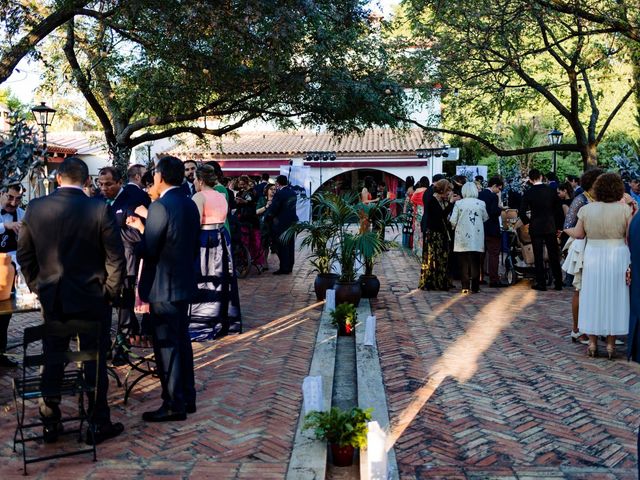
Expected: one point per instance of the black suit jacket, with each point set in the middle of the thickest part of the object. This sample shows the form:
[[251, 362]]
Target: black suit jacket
[[283, 210], [186, 189], [492, 225], [125, 205], [544, 204], [70, 251], [170, 247]]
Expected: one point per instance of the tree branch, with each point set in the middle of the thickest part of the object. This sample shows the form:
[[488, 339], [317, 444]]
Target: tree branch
[[613, 113], [563, 147]]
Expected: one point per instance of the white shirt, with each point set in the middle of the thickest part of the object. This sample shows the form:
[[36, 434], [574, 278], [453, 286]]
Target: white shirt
[[7, 217], [170, 188]]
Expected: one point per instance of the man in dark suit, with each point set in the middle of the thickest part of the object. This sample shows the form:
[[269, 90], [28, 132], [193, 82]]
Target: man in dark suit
[[283, 214], [122, 202], [170, 247], [544, 203], [71, 255], [492, 233], [188, 186]]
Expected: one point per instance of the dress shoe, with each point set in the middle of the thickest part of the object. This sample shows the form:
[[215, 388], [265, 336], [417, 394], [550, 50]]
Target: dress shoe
[[278, 272], [465, 291], [579, 337], [558, 287], [51, 430], [103, 432], [190, 408], [164, 414], [498, 285], [120, 357], [541, 288], [6, 362]]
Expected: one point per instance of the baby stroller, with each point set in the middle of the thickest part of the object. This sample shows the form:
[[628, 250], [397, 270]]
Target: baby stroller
[[519, 261]]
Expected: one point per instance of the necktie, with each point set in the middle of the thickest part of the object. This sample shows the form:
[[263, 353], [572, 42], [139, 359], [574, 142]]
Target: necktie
[[192, 187], [110, 201]]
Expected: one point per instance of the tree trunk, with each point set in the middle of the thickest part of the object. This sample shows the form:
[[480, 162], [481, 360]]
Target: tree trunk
[[120, 155], [635, 63], [589, 156]]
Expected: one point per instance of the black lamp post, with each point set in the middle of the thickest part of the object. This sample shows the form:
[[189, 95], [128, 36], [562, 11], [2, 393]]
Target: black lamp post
[[43, 116], [555, 138]]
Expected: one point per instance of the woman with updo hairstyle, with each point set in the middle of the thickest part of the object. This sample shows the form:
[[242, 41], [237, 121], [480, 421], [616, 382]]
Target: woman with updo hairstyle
[[435, 254], [217, 305], [604, 297]]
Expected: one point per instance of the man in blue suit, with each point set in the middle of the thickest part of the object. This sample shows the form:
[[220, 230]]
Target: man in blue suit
[[170, 247], [283, 214]]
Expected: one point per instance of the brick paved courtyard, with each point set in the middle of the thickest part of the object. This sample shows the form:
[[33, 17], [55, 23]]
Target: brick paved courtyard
[[481, 386], [489, 385]]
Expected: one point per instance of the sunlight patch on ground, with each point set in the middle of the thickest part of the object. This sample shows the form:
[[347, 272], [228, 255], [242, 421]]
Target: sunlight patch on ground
[[461, 359]]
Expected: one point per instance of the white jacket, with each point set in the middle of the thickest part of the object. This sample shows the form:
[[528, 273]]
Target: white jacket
[[468, 217]]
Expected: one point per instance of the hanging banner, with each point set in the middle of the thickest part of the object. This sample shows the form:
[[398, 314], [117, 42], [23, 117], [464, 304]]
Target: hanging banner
[[300, 180]]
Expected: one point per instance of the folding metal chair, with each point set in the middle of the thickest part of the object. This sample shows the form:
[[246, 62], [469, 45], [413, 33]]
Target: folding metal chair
[[30, 386]]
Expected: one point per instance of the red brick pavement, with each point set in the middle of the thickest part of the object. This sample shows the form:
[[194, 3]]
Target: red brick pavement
[[249, 394], [489, 385]]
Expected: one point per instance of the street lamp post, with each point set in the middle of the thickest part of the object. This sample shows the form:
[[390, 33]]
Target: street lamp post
[[555, 138], [43, 116]]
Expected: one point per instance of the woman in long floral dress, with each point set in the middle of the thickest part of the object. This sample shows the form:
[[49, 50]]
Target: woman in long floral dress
[[435, 257]]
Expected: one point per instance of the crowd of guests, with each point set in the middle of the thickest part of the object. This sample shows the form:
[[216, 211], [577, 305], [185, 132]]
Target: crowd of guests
[[159, 248], [591, 219]]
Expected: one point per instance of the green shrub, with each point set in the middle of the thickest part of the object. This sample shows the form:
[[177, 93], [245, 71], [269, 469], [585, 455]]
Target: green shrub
[[340, 427]]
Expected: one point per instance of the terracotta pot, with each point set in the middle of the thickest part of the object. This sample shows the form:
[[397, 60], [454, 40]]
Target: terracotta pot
[[370, 286], [7, 276], [345, 330], [348, 292], [322, 283], [342, 456]]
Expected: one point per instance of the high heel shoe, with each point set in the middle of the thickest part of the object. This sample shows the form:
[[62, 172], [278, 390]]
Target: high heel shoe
[[592, 351], [611, 351]]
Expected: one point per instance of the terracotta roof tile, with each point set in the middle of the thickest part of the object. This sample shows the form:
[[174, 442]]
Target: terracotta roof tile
[[299, 142]]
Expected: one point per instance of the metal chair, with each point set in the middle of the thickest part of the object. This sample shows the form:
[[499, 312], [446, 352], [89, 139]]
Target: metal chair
[[30, 387]]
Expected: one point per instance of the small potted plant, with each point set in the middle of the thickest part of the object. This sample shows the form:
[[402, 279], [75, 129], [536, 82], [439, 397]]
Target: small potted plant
[[344, 316], [345, 430]]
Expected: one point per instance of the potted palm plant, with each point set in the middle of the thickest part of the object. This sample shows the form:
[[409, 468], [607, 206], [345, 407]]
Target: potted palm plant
[[344, 316], [379, 217], [320, 236], [345, 430]]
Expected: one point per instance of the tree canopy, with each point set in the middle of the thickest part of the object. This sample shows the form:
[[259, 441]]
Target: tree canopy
[[493, 61], [209, 67]]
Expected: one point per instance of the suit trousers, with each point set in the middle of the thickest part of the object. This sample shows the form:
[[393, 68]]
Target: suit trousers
[[52, 375], [286, 254], [469, 269], [127, 320], [493, 245], [4, 328], [538, 242], [173, 352]]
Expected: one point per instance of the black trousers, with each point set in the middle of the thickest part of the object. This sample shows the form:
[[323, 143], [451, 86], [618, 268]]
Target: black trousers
[[52, 374], [173, 352], [538, 242], [469, 269], [286, 254], [4, 329]]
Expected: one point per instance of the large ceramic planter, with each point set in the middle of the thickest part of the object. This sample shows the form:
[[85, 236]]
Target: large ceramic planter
[[369, 285], [324, 282], [348, 292], [342, 456], [7, 276]]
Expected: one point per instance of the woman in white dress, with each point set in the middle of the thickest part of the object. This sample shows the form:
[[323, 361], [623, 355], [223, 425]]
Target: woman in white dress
[[468, 217], [604, 297]]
